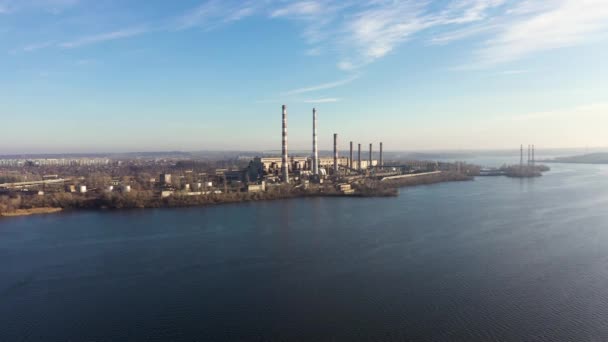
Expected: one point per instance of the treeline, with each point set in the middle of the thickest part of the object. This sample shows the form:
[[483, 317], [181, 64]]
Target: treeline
[[144, 198], [140, 199]]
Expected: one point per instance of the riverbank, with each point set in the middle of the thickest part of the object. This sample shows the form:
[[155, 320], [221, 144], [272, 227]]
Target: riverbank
[[31, 211], [146, 199]]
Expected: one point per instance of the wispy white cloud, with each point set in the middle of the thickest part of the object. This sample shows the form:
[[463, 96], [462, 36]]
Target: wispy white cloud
[[323, 100], [50, 6], [514, 72], [363, 32], [356, 33], [33, 47], [103, 37], [302, 8], [214, 13], [593, 109], [324, 86], [567, 23]]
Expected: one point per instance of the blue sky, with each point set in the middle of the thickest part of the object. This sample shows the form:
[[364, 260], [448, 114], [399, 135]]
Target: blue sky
[[93, 76]]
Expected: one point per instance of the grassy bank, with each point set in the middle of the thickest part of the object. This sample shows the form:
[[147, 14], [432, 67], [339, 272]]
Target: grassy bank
[[31, 211]]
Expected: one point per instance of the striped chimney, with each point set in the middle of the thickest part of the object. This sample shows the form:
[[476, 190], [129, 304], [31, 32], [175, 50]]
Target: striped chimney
[[359, 159], [315, 150], [370, 155], [350, 159], [381, 157], [336, 153], [284, 166]]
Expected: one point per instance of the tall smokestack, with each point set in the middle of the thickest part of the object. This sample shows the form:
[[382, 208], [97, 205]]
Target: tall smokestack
[[350, 160], [529, 154], [381, 159], [370, 156], [533, 158], [336, 153], [284, 166], [359, 159], [521, 156], [315, 151]]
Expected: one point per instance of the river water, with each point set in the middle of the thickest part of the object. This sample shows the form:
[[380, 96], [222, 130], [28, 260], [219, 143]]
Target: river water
[[496, 259]]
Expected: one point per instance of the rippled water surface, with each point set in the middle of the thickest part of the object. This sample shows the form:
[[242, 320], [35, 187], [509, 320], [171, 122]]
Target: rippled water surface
[[496, 259]]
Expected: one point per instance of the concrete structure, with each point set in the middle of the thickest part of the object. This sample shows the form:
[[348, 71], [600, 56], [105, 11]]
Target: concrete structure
[[165, 178], [336, 170], [166, 193], [350, 159], [370, 155], [315, 150], [269, 163], [256, 187], [364, 164], [381, 163], [345, 189], [284, 166], [328, 162], [359, 158]]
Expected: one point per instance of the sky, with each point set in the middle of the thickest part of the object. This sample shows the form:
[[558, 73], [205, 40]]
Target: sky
[[121, 75]]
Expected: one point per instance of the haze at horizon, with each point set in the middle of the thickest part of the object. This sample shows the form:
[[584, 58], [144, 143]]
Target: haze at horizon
[[84, 76]]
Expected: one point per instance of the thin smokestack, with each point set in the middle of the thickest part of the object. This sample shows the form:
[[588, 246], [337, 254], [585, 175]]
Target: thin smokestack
[[381, 159], [284, 166], [521, 156], [359, 159], [370, 156], [315, 151], [336, 153], [350, 160], [533, 158], [529, 155]]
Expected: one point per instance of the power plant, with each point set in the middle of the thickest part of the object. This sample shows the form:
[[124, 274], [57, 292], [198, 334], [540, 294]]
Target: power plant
[[314, 166]]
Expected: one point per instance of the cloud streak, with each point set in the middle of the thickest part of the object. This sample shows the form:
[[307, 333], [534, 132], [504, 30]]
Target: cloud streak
[[356, 33], [104, 37], [323, 100], [323, 86], [568, 23]]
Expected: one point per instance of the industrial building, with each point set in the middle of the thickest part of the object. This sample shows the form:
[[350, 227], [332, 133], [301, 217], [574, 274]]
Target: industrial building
[[280, 168]]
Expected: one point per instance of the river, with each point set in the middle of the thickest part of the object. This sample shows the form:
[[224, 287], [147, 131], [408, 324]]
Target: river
[[496, 259]]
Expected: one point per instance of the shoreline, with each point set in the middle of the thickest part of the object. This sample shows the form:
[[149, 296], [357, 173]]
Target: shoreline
[[32, 211], [388, 189]]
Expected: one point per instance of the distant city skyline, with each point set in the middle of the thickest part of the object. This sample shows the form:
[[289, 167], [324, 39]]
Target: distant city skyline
[[118, 76]]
